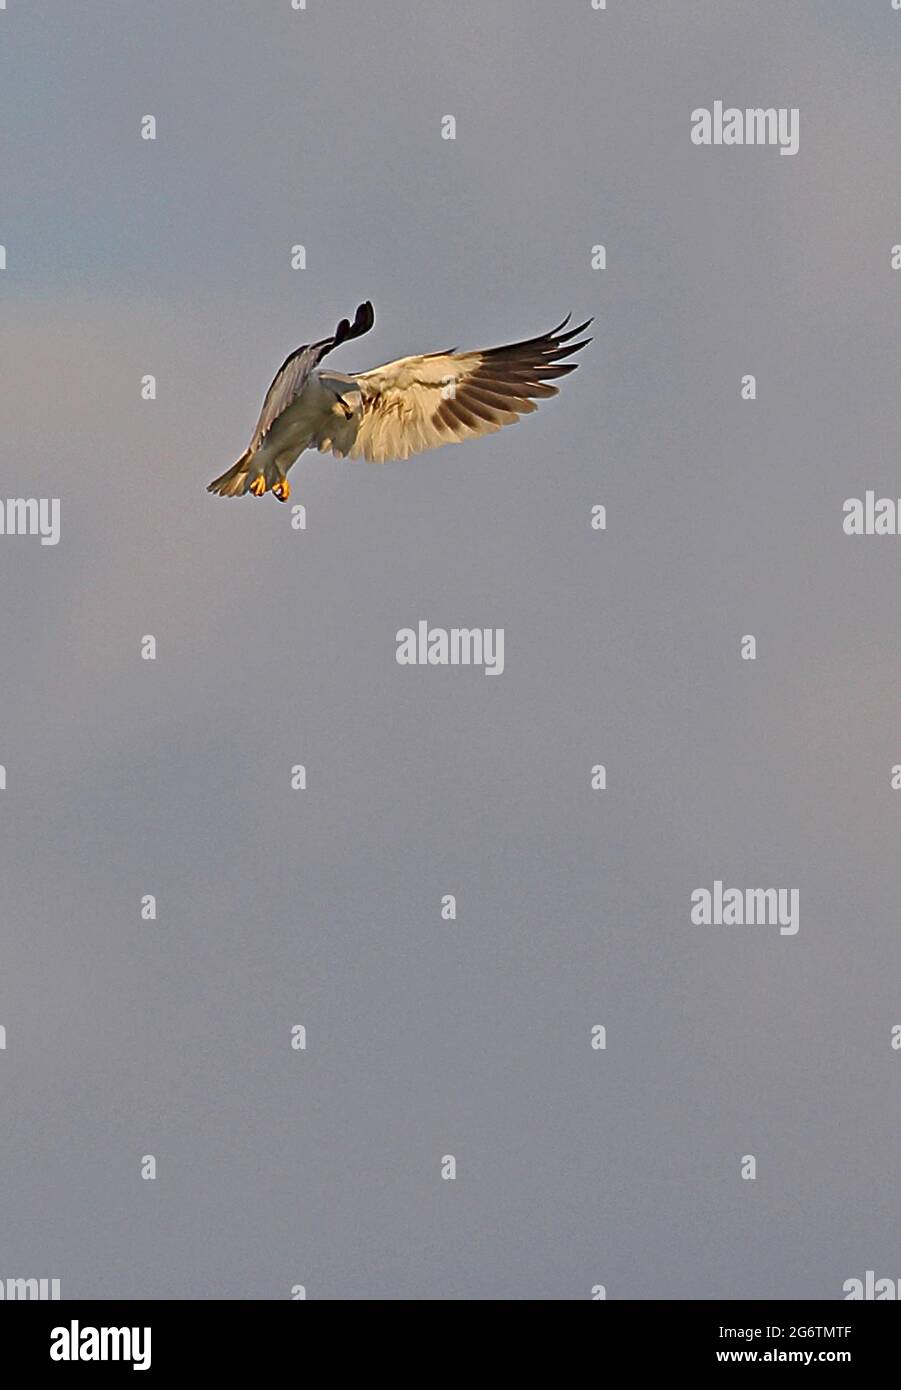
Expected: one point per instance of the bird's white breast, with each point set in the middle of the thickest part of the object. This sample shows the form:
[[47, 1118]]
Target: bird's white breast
[[301, 422]]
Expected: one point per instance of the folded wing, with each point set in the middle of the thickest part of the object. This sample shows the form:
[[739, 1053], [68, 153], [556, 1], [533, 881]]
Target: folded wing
[[294, 371], [419, 403]]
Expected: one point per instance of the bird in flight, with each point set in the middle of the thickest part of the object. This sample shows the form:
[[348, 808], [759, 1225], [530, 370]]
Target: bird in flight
[[396, 410]]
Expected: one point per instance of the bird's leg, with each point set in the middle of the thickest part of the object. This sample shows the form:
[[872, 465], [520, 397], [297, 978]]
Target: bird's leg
[[258, 486], [281, 488]]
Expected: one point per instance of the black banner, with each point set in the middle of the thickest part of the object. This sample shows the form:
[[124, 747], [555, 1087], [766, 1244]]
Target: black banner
[[69, 1337]]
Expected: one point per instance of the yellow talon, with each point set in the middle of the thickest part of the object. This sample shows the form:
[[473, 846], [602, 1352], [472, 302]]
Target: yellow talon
[[282, 490], [258, 486]]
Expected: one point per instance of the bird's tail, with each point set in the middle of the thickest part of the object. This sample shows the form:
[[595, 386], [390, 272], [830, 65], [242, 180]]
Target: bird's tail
[[234, 482]]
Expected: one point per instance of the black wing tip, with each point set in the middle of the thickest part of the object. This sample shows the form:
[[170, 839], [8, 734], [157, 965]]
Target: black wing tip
[[574, 347], [547, 343], [364, 318], [561, 344], [573, 332]]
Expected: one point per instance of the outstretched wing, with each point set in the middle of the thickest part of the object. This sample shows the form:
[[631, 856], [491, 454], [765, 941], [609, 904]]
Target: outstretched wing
[[419, 403], [291, 375]]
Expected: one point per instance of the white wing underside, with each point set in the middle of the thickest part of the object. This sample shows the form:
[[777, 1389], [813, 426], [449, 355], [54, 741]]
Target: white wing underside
[[419, 403]]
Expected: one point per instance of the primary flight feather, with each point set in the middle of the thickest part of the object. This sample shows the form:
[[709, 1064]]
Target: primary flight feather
[[396, 410]]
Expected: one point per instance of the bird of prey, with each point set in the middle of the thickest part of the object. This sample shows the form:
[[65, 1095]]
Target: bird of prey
[[396, 410]]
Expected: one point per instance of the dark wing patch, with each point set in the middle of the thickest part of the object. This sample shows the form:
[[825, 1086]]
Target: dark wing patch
[[507, 380]]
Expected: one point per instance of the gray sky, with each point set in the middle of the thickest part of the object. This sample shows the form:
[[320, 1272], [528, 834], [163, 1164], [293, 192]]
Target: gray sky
[[276, 647]]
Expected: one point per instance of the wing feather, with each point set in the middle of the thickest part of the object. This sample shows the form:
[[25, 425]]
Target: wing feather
[[419, 403]]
